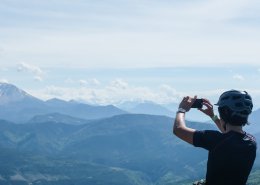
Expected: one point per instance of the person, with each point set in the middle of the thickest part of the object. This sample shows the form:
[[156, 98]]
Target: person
[[231, 151]]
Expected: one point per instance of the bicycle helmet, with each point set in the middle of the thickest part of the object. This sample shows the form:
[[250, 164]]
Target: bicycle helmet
[[239, 102]]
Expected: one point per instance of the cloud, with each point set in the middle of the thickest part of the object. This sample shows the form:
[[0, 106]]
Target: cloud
[[38, 78], [31, 68], [118, 91], [3, 80], [90, 82], [238, 77], [35, 70], [119, 84], [168, 94], [94, 81], [83, 82], [114, 92]]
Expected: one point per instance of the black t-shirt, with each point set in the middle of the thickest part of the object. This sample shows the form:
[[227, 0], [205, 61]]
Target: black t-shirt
[[231, 156]]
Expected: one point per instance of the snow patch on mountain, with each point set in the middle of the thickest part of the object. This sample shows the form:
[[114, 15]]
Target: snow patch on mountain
[[10, 93]]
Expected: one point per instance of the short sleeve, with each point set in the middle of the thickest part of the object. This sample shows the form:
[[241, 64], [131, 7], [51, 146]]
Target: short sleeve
[[206, 139]]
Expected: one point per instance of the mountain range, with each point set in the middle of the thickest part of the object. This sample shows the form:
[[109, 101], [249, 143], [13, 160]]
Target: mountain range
[[62, 146], [141, 145], [146, 107], [18, 106], [124, 149]]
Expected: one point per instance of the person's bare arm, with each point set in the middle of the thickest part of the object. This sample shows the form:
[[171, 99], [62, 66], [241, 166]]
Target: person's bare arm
[[179, 128], [209, 112]]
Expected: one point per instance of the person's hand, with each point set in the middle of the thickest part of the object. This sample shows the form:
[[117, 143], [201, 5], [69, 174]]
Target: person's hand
[[187, 102], [209, 108]]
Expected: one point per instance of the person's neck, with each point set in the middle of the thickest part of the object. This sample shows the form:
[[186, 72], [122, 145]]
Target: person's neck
[[238, 129]]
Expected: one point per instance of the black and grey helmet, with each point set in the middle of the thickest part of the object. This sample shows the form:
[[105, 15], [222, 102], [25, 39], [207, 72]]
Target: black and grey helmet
[[240, 102]]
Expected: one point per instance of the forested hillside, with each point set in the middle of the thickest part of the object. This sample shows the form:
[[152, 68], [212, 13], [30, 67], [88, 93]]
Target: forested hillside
[[124, 149]]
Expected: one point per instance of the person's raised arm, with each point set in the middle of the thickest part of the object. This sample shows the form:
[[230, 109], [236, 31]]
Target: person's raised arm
[[210, 112], [179, 128]]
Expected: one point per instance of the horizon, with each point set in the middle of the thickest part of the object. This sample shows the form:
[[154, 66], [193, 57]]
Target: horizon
[[129, 106], [81, 89]]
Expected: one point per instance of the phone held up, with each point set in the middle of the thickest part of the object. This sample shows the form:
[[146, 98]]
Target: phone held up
[[197, 104]]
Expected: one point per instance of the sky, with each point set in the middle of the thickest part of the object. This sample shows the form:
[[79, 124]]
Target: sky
[[108, 52]]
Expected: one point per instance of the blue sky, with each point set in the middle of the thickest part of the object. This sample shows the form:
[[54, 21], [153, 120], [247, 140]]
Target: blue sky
[[112, 51]]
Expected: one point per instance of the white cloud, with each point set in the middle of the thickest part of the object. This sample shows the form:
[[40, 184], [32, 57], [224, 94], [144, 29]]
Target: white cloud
[[165, 94], [168, 89], [168, 94], [38, 78], [94, 81], [90, 82], [119, 84], [115, 92], [83, 82], [3, 80], [35, 70], [239, 77], [31, 68]]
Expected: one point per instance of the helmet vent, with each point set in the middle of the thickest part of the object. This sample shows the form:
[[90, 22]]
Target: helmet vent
[[236, 97], [238, 104], [225, 98], [245, 112]]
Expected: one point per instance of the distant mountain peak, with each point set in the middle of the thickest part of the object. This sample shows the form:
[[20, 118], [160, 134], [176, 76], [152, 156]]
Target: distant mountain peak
[[10, 93], [56, 100]]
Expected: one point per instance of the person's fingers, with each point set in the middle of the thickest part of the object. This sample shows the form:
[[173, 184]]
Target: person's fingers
[[208, 105], [202, 110], [205, 100], [185, 98], [192, 100]]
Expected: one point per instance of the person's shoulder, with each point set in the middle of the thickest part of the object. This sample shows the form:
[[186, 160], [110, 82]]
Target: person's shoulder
[[250, 137], [213, 132], [210, 133], [207, 138]]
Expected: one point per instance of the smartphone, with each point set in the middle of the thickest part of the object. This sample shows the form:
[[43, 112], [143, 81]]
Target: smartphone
[[197, 104]]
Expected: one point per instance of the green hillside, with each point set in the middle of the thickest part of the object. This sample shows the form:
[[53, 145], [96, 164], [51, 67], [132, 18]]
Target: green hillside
[[125, 149]]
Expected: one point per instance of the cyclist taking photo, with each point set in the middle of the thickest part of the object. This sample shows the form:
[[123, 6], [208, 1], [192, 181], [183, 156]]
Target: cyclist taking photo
[[231, 151]]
